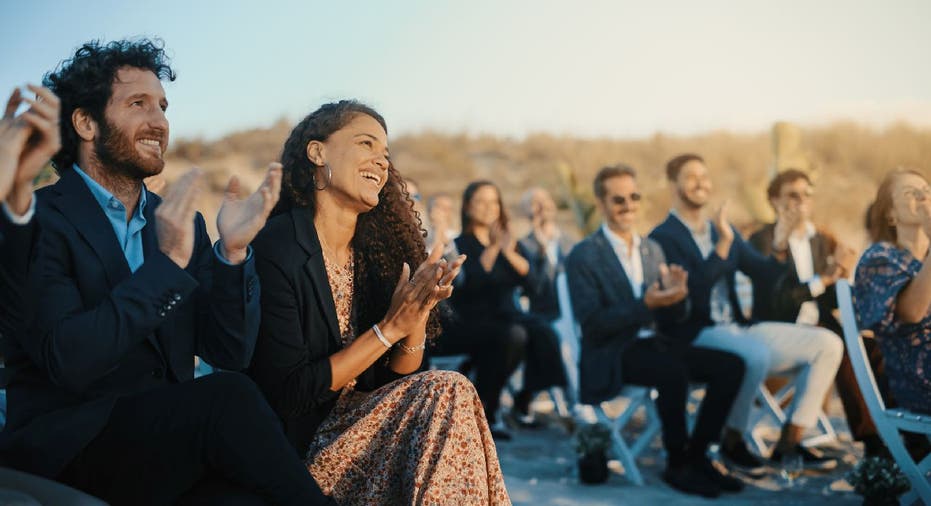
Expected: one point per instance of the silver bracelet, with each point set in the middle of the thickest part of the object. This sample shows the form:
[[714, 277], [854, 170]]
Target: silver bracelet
[[381, 337], [413, 349]]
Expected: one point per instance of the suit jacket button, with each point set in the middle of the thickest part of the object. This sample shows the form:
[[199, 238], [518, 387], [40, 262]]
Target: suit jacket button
[[157, 373], [176, 297]]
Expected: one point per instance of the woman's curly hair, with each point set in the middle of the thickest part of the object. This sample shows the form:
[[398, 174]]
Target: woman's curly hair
[[385, 237], [86, 82]]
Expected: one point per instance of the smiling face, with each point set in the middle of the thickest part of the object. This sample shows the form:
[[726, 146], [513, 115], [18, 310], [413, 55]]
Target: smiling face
[[484, 208], [134, 135], [357, 155], [621, 204], [693, 184]]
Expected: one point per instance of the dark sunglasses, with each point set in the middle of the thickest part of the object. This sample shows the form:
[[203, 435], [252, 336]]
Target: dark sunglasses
[[621, 200]]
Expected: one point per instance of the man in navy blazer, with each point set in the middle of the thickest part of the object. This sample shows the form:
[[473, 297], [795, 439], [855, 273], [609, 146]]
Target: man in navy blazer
[[125, 289], [618, 282], [712, 252]]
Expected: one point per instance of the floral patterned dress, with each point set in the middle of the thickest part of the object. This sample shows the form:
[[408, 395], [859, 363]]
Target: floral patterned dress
[[422, 439], [883, 271]]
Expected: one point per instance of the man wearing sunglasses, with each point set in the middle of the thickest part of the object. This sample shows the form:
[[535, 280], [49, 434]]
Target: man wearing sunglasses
[[804, 293], [712, 251], [619, 283]]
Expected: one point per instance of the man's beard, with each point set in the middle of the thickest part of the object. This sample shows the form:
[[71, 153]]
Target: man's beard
[[117, 152], [689, 202]]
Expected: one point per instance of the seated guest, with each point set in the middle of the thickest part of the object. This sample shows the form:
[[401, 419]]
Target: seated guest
[[125, 289], [545, 249], [804, 292], [344, 326], [487, 323], [20, 163], [893, 286], [440, 218], [617, 281], [712, 251]]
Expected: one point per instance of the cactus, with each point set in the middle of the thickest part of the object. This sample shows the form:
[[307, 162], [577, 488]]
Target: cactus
[[580, 201]]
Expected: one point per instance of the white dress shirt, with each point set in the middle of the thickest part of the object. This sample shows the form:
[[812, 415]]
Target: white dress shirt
[[800, 245], [632, 263]]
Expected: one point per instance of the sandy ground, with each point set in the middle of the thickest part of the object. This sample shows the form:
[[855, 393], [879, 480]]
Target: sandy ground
[[540, 469]]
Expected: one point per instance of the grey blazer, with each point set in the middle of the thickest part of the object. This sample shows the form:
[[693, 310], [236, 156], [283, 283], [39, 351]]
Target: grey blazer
[[608, 312], [540, 284]]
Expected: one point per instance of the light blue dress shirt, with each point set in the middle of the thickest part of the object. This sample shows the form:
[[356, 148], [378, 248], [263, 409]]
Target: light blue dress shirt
[[128, 234]]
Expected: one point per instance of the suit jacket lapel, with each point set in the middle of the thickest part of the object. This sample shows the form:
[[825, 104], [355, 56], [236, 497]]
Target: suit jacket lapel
[[77, 205], [650, 265], [149, 232], [819, 253], [612, 266], [684, 235], [306, 235], [163, 334]]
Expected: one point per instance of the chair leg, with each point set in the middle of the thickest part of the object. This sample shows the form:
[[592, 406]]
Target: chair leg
[[627, 453], [650, 431], [559, 402], [916, 473]]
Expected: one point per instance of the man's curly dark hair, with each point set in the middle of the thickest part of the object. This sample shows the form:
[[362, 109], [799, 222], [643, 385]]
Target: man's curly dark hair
[[385, 237], [86, 82]]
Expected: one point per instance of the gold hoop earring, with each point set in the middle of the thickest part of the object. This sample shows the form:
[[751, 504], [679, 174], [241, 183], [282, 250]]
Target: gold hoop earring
[[329, 178]]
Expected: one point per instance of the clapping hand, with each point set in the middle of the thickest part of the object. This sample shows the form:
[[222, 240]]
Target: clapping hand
[[27, 142], [414, 297], [239, 220], [501, 238], [174, 218], [671, 289], [722, 226]]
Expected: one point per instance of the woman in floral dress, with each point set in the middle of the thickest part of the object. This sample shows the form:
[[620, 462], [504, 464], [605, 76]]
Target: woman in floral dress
[[344, 326], [893, 286]]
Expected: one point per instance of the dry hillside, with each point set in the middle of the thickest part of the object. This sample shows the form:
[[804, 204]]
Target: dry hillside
[[848, 160]]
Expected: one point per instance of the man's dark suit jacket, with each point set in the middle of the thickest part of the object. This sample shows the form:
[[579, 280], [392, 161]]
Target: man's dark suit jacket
[[680, 248], [100, 332], [608, 312], [16, 248], [299, 329], [540, 284], [780, 299]]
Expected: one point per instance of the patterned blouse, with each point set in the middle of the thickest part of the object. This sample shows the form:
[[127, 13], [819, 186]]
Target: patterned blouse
[[883, 271]]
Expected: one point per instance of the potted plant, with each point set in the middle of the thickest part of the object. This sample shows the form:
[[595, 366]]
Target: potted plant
[[591, 443], [878, 480]]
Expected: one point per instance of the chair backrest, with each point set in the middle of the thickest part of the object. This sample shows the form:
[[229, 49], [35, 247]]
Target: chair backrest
[[859, 358], [569, 333]]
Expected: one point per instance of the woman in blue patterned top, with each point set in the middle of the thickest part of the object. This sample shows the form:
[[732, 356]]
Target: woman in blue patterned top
[[893, 286]]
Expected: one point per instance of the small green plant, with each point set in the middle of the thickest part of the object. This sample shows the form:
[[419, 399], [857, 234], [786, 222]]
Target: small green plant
[[877, 478], [592, 438]]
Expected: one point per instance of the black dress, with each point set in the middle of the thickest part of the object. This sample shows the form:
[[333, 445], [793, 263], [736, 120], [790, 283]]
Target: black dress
[[488, 326]]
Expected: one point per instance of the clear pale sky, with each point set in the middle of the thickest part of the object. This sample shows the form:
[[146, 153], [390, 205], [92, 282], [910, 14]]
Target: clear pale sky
[[587, 68]]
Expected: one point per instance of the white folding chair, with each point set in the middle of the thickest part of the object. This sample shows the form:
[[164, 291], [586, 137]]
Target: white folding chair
[[637, 397], [771, 410], [888, 421], [564, 400]]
